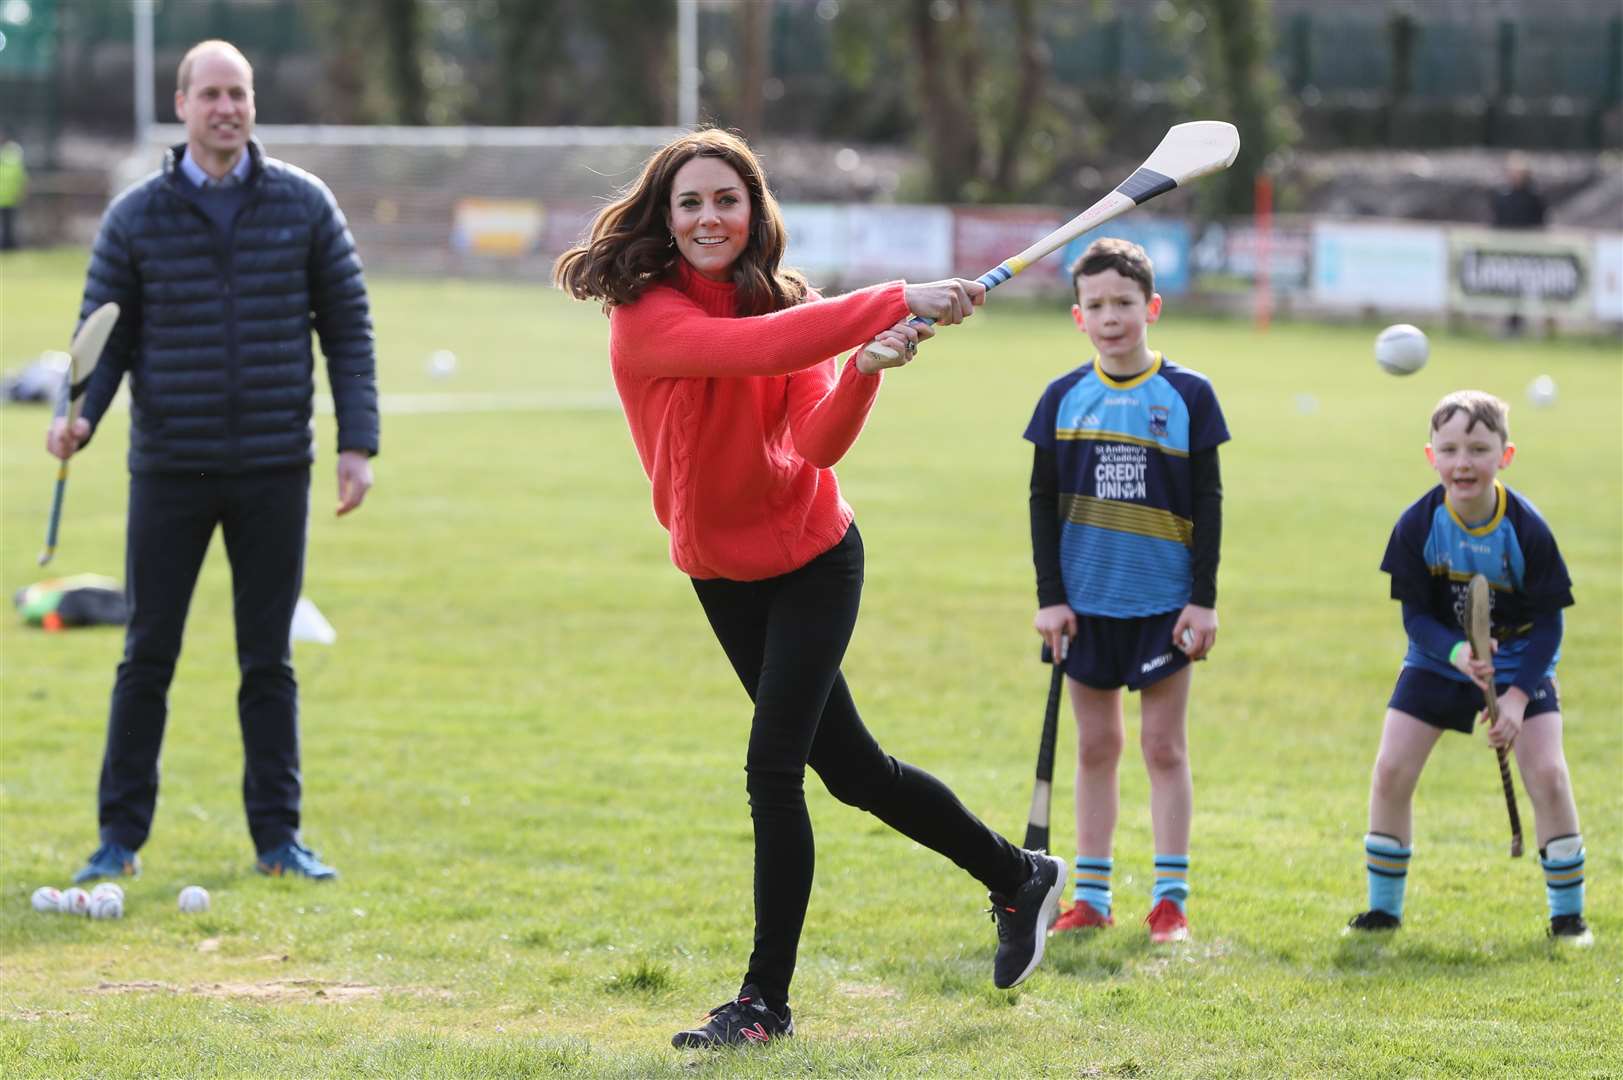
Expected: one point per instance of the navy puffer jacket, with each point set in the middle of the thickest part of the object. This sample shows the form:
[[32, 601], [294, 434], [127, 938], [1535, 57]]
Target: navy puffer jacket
[[214, 330]]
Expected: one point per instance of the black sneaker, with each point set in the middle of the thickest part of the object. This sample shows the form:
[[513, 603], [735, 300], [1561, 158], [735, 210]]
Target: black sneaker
[[1571, 930], [1374, 919], [1023, 920], [745, 1019]]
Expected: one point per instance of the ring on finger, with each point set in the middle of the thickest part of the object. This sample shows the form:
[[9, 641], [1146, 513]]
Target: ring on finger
[[912, 347]]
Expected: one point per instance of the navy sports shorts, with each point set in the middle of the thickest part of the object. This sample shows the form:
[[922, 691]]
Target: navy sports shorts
[[1453, 705], [1134, 653]]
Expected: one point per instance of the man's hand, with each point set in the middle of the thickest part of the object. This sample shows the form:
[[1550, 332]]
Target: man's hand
[[1057, 626], [63, 441], [354, 479]]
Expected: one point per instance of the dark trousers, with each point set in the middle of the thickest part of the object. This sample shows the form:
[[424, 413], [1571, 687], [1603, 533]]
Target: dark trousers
[[786, 637], [171, 521], [8, 228]]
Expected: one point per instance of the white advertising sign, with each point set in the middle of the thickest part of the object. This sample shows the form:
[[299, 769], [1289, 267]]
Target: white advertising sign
[[816, 239], [1608, 271], [1396, 267], [884, 242]]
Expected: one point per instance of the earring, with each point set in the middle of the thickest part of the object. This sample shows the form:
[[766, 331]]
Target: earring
[[672, 241]]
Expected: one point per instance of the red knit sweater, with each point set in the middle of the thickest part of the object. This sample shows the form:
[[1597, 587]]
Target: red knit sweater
[[738, 421]]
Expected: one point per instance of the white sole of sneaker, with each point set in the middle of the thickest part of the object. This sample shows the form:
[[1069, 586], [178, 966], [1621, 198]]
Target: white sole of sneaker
[[1045, 918]]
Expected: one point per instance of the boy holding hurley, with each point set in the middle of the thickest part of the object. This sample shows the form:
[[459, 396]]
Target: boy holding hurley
[[1472, 524], [1126, 522]]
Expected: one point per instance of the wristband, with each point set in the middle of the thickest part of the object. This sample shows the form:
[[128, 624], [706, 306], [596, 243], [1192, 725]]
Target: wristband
[[1454, 653]]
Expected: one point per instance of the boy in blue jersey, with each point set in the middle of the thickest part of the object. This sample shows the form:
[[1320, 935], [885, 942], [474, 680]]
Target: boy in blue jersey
[[1126, 522], [1472, 524]]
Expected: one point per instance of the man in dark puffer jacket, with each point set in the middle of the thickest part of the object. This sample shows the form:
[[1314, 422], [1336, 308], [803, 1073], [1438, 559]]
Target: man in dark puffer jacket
[[221, 265]]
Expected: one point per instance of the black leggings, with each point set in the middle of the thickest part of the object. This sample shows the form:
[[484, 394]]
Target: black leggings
[[785, 637]]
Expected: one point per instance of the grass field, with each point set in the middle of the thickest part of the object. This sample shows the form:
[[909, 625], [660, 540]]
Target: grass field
[[525, 752]]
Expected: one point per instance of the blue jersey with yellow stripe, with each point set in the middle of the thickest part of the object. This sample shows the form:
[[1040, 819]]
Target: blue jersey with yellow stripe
[[1433, 555], [1125, 497]]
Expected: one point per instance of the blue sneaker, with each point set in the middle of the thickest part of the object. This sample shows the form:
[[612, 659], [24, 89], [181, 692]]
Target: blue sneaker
[[109, 860], [293, 858]]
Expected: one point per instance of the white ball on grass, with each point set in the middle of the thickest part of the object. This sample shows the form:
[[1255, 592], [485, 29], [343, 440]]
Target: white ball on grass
[[1401, 349], [75, 901], [47, 899], [442, 364], [1541, 392], [193, 899], [108, 888], [107, 905]]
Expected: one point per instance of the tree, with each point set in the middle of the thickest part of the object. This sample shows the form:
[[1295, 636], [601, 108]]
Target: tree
[[630, 76], [1234, 37], [402, 23], [525, 37], [757, 33], [368, 84], [974, 137]]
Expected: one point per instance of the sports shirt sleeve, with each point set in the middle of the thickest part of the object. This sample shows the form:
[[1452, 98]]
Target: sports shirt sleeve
[[1542, 642], [1206, 483], [1546, 585], [827, 412], [1040, 430], [112, 278], [1405, 559], [341, 315], [665, 334], [1044, 508], [1207, 428], [1427, 631]]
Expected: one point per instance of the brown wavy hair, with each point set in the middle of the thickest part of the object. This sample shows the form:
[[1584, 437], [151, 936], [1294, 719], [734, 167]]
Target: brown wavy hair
[[629, 248]]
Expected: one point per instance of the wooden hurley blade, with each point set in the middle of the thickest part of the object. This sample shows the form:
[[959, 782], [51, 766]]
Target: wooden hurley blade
[[1478, 612], [86, 351], [1478, 617], [84, 354]]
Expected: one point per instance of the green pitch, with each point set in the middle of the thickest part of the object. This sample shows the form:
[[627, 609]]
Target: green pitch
[[525, 752]]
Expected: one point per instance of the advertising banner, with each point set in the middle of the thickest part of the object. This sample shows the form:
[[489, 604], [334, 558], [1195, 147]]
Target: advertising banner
[[1608, 278], [1522, 271], [983, 236], [1166, 240], [816, 240], [886, 242], [566, 224], [508, 227], [1395, 267], [1226, 256]]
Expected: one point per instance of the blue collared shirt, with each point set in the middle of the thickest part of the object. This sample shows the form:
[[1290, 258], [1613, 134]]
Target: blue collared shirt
[[220, 199], [194, 172]]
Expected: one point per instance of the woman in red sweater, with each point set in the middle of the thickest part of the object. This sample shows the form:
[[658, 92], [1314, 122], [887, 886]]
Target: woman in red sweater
[[724, 362]]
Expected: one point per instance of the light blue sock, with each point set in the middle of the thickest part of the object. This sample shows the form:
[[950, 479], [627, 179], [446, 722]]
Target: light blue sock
[[1093, 882], [1171, 880], [1563, 860], [1387, 861]]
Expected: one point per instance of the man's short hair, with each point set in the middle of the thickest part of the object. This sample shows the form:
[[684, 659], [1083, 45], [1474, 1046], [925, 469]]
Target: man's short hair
[[1482, 408], [1123, 256], [183, 74]]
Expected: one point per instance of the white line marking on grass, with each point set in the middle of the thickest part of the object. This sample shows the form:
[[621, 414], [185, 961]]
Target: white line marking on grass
[[540, 401], [401, 404]]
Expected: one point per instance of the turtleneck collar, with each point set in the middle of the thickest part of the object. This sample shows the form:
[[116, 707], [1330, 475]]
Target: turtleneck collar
[[718, 298]]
